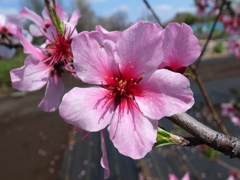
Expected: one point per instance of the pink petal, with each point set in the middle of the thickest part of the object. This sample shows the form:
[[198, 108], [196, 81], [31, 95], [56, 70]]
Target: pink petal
[[33, 17], [112, 35], [34, 30], [28, 47], [46, 17], [6, 51], [104, 159], [166, 93], [60, 13], [93, 57], [86, 108], [32, 76], [74, 18], [180, 46], [231, 177], [186, 176], [53, 94], [141, 45], [172, 177], [132, 134]]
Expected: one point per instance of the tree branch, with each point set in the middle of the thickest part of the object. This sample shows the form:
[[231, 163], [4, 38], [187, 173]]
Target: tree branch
[[210, 34], [208, 101], [153, 13], [204, 135]]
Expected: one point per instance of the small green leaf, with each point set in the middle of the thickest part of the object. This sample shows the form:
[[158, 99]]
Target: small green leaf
[[163, 138]]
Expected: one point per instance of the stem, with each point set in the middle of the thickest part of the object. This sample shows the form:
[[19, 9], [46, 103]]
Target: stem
[[210, 34], [226, 165], [204, 135], [208, 101], [153, 13]]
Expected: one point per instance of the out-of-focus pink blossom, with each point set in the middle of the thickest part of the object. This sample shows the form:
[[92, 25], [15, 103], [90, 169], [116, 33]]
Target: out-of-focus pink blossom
[[173, 177], [235, 120], [231, 24], [8, 32], [207, 6], [9, 24], [234, 176], [44, 22], [234, 46], [201, 5], [180, 47], [130, 93], [227, 109]]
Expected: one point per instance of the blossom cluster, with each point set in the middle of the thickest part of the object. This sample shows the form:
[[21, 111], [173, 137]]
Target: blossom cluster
[[137, 76], [228, 110], [206, 6]]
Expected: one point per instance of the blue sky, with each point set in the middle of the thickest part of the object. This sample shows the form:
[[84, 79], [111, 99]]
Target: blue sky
[[166, 9]]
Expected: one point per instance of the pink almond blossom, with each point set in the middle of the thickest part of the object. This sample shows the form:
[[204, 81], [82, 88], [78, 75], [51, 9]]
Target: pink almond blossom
[[130, 95], [227, 109], [235, 120], [180, 47], [8, 33], [231, 24], [173, 177], [44, 22], [45, 67], [234, 47]]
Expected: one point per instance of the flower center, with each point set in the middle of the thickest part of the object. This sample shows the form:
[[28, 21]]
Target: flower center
[[123, 88], [59, 52]]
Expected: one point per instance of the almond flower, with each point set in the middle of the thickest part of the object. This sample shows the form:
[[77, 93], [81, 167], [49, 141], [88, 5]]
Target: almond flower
[[45, 67], [8, 34], [234, 46], [180, 47], [130, 95]]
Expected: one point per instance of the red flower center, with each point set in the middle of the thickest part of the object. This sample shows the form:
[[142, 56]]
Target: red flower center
[[123, 87], [59, 52]]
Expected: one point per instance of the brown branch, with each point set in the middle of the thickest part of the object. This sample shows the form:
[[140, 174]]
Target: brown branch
[[210, 34], [204, 135], [152, 11], [208, 101]]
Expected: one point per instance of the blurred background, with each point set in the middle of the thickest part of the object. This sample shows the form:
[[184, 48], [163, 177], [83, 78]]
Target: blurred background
[[35, 145]]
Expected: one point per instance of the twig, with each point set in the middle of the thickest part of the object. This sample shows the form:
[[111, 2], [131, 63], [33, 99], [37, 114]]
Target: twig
[[226, 165], [210, 34], [153, 13], [208, 101], [204, 135]]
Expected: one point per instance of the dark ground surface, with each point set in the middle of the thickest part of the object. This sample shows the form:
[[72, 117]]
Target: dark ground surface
[[34, 145]]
